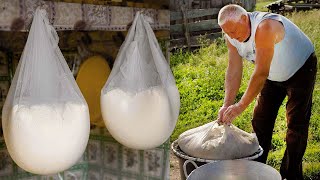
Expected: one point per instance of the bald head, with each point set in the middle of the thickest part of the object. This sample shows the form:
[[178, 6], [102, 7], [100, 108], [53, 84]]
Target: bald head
[[230, 12], [235, 22]]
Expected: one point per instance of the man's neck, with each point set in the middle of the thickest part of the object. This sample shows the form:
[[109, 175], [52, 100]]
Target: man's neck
[[249, 30]]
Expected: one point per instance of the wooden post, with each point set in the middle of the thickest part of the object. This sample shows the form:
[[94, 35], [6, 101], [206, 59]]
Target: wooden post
[[185, 26]]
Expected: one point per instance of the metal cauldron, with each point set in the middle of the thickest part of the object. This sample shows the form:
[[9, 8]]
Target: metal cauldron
[[185, 160], [234, 170]]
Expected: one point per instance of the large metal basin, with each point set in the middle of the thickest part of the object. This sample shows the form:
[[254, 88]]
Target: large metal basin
[[235, 170]]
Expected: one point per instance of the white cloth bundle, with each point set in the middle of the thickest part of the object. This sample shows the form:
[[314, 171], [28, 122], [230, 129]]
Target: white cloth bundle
[[214, 142]]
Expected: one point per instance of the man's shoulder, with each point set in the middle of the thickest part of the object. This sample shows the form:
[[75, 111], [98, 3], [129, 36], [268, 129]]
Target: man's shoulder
[[267, 32], [255, 14]]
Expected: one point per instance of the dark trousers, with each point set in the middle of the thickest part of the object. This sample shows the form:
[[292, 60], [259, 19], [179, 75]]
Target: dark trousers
[[299, 90]]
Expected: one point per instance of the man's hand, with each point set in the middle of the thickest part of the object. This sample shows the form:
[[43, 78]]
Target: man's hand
[[220, 114], [232, 79], [231, 113]]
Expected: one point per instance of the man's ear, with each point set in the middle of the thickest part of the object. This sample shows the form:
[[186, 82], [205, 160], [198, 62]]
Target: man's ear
[[243, 18]]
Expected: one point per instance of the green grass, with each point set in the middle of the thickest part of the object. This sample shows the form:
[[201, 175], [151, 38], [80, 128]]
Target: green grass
[[261, 3], [200, 80]]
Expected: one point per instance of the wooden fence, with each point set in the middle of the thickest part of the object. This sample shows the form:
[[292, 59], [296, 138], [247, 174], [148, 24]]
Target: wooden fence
[[192, 24], [192, 19]]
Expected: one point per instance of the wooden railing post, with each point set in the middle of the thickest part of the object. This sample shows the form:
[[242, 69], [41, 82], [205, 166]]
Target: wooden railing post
[[185, 25]]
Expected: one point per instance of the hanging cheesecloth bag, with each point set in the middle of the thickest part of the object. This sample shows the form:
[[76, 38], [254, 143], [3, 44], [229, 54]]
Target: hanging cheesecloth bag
[[140, 101], [45, 117]]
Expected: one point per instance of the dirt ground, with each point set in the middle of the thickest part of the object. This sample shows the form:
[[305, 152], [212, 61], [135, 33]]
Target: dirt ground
[[174, 167]]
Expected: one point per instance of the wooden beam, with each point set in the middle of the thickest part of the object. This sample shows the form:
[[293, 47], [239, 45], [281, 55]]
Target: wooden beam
[[205, 25], [304, 5], [194, 13], [185, 26]]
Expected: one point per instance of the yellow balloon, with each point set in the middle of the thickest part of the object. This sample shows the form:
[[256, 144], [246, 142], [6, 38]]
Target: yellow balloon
[[92, 76]]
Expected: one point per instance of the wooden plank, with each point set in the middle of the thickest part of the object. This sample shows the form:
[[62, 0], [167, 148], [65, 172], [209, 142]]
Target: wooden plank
[[181, 42], [304, 5], [205, 25], [194, 13], [185, 26]]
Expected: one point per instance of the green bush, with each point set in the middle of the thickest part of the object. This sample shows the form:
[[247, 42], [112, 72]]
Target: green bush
[[277, 142]]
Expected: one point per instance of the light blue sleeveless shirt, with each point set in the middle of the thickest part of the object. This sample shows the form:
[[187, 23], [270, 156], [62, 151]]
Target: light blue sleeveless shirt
[[289, 54]]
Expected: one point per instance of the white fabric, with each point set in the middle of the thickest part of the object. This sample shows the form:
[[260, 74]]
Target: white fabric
[[45, 117], [140, 101], [214, 142]]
